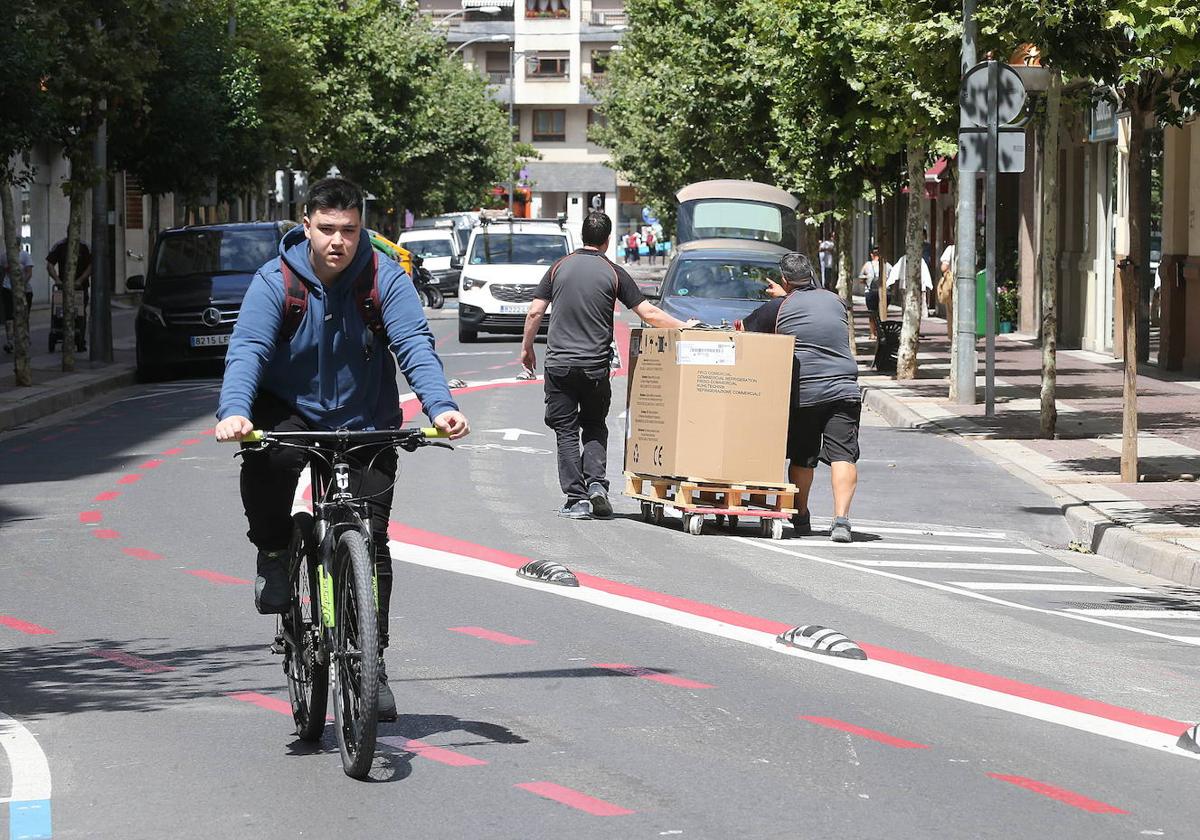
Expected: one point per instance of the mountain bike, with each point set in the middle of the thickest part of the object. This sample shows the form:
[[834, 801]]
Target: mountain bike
[[330, 629]]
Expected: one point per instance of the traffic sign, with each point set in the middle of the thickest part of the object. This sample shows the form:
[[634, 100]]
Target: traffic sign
[[972, 149], [973, 95]]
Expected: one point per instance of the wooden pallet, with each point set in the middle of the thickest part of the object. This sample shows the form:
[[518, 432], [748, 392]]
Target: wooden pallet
[[716, 496]]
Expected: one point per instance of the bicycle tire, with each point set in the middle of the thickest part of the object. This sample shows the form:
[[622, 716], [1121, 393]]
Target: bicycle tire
[[355, 655], [307, 676]]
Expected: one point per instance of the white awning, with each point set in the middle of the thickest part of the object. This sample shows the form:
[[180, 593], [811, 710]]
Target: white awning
[[475, 4]]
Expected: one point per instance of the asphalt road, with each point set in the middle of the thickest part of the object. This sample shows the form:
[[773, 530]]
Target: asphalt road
[[1013, 689]]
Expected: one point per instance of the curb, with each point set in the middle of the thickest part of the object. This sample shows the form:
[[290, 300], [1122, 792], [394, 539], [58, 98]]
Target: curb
[[1105, 537], [66, 395]]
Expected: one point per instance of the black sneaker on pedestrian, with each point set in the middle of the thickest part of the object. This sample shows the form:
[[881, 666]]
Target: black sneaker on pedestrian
[[581, 509], [598, 496], [387, 700], [8, 347], [801, 524], [840, 532], [271, 586]]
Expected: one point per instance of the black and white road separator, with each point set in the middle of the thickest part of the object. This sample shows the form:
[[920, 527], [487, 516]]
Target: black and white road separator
[[817, 639], [548, 571], [1190, 740], [456, 383]]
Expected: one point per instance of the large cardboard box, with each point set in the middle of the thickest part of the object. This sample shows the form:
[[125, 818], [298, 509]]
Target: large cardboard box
[[708, 404]]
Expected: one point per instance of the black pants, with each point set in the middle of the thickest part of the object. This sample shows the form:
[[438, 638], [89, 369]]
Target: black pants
[[577, 401], [269, 481]]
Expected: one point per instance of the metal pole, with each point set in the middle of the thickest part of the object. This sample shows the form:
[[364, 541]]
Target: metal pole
[[962, 378], [100, 328], [512, 94], [993, 164]]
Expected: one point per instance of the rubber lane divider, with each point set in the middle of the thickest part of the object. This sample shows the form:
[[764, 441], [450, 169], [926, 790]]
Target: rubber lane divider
[[129, 660], [26, 627], [1067, 797], [652, 675], [491, 636], [575, 799], [441, 755], [216, 577], [872, 734]]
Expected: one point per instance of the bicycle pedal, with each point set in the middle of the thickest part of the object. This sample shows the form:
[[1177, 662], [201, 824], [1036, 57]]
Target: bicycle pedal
[[277, 646]]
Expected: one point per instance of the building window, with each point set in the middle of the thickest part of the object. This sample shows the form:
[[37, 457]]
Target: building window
[[496, 65], [600, 60], [595, 118], [550, 125], [516, 124], [549, 65], [547, 8]]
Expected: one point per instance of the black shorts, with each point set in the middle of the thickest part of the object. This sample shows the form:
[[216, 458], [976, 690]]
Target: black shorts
[[826, 431]]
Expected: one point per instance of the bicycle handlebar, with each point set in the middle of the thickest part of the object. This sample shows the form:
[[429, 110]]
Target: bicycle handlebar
[[348, 435]]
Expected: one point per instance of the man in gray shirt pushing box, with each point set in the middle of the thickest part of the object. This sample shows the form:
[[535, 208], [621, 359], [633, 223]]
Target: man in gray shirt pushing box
[[584, 287]]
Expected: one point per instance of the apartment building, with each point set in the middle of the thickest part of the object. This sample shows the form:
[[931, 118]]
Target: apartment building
[[541, 57]]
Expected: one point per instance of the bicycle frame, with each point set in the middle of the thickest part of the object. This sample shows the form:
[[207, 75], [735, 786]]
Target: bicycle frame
[[340, 512]]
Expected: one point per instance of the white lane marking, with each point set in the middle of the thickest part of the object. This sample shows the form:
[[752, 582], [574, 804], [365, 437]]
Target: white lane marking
[[27, 763], [1187, 615], [992, 586], [167, 392], [965, 567], [899, 546], [446, 561], [971, 535], [513, 433], [979, 596]]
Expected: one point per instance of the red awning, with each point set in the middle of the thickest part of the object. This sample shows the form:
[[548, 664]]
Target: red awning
[[935, 172]]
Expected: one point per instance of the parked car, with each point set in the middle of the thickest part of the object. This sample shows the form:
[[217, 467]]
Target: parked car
[[460, 224], [728, 209], [438, 249], [506, 259], [193, 290], [719, 281], [423, 281]]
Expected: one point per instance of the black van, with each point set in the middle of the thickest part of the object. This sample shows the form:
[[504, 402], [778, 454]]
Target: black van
[[194, 289]]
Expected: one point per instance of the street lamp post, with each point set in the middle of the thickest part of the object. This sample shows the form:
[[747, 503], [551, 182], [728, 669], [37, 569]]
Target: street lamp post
[[487, 10], [488, 38], [512, 94]]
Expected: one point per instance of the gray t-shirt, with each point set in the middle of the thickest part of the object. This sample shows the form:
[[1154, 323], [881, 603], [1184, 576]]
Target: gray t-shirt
[[824, 369], [584, 288]]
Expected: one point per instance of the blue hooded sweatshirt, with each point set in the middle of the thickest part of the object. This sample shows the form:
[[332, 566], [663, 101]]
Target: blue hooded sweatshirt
[[334, 371]]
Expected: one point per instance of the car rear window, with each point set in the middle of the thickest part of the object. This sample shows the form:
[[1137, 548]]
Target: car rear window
[[425, 248], [215, 252], [723, 279], [508, 248]]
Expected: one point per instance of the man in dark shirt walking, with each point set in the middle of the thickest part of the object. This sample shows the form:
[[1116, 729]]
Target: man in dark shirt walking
[[826, 402], [584, 287]]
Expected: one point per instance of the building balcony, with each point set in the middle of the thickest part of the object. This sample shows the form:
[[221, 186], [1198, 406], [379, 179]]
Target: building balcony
[[469, 30]]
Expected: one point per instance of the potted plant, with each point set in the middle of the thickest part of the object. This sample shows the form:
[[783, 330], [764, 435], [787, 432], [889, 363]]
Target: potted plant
[[1008, 305]]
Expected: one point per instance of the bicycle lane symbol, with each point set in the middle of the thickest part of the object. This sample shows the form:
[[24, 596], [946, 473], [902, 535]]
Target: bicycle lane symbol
[[524, 450], [29, 800]]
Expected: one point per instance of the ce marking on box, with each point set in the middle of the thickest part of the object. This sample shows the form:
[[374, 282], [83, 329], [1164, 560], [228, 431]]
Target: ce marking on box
[[657, 457]]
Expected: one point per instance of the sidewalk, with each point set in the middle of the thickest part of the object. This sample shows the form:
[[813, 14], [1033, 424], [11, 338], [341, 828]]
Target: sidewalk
[[1153, 525], [54, 390]]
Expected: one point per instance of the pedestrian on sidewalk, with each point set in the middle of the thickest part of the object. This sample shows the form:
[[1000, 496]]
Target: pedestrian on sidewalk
[[7, 308], [651, 246], [870, 274], [945, 289], [56, 267], [584, 287], [826, 403], [825, 256]]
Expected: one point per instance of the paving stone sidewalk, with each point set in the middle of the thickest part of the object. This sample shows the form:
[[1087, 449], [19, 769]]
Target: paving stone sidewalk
[[1153, 524]]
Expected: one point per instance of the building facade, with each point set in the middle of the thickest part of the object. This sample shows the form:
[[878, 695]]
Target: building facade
[[543, 58]]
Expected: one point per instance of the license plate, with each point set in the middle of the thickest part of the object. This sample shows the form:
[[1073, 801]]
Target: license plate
[[514, 309], [210, 340]]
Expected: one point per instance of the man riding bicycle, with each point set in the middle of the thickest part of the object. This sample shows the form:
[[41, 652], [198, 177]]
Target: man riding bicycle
[[334, 372]]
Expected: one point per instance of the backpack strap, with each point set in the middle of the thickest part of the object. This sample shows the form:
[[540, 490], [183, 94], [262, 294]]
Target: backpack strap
[[295, 302], [366, 295]]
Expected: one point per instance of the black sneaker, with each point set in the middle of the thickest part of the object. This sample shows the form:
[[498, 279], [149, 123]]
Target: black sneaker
[[598, 496], [840, 532], [387, 700], [271, 586], [581, 509], [801, 524]]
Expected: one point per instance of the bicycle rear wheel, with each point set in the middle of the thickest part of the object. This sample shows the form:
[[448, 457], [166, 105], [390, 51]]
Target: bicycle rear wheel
[[355, 654], [307, 675]]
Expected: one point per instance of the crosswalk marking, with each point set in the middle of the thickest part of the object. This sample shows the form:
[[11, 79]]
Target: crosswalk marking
[[1192, 615], [900, 546], [992, 586], [964, 566], [972, 535]]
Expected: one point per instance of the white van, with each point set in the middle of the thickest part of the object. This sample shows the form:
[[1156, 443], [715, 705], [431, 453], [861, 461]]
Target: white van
[[506, 259], [438, 249]]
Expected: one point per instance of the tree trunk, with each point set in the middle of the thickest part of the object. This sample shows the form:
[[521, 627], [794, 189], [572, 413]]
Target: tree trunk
[[1131, 271], [880, 234], [914, 302], [16, 277], [67, 280], [1049, 260], [153, 229], [845, 267]]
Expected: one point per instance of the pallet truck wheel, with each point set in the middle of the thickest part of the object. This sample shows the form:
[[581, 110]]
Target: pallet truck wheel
[[656, 516], [776, 529], [694, 524], [647, 512], [51, 342], [764, 527], [732, 522], [720, 520]]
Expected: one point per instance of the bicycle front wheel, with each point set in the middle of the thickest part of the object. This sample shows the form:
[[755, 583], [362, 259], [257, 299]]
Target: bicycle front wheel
[[307, 672], [355, 654]]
